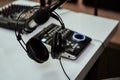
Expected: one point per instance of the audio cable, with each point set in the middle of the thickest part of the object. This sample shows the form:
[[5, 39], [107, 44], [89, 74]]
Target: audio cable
[[63, 69]]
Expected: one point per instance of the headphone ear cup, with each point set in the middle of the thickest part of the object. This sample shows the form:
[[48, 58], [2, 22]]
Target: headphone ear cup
[[57, 47], [37, 51]]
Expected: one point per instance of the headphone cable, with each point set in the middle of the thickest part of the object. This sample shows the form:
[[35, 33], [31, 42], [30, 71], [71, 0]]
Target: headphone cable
[[63, 69]]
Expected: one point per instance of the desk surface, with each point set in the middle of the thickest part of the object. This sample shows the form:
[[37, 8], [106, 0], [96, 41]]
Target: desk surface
[[16, 65]]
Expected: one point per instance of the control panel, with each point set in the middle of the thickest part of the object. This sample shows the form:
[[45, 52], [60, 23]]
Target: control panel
[[75, 42]]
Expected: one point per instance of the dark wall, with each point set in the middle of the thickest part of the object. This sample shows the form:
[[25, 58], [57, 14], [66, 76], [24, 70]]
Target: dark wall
[[104, 4], [73, 1]]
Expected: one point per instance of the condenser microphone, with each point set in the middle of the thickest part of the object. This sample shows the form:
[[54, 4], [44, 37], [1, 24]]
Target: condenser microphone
[[40, 17]]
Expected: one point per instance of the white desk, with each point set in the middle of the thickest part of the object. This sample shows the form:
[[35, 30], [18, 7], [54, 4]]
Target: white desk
[[16, 65]]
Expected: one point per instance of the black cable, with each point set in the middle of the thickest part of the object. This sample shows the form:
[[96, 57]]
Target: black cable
[[63, 69]]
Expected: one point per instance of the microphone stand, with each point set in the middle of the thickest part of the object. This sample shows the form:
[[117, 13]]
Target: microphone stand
[[57, 4], [96, 7], [42, 3]]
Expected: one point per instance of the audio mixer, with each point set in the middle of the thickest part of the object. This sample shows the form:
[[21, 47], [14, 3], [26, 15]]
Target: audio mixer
[[75, 42], [9, 15]]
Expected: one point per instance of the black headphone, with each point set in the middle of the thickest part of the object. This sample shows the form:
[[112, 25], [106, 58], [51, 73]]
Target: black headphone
[[37, 51]]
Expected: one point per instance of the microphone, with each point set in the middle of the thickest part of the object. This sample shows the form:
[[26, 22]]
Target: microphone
[[41, 16], [38, 18]]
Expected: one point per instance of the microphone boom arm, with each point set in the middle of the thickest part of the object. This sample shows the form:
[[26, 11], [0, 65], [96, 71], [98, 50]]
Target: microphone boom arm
[[57, 4]]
